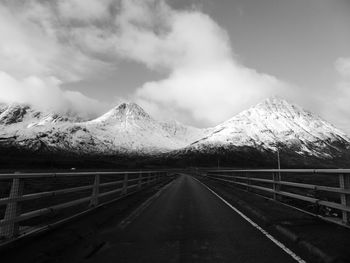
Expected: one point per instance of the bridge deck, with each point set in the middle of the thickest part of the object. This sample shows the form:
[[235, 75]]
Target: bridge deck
[[188, 223]]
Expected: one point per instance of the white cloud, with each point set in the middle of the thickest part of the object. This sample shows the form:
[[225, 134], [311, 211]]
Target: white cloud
[[71, 39], [31, 45], [46, 93], [211, 95], [342, 66], [84, 9], [205, 80], [35, 58], [332, 103], [336, 101]]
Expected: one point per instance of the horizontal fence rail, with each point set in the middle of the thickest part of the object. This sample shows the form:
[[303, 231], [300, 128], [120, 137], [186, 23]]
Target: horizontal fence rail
[[90, 188], [326, 190]]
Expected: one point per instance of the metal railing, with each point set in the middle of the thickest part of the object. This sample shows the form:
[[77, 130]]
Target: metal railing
[[291, 186], [119, 184]]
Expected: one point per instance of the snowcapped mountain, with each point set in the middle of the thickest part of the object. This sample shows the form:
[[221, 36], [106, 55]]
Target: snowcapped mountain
[[25, 127], [129, 128], [27, 115], [275, 123], [126, 128]]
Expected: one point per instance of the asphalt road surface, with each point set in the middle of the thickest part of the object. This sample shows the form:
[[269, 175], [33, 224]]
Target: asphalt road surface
[[188, 223]]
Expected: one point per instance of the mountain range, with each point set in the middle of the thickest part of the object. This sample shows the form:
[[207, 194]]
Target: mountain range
[[274, 124]]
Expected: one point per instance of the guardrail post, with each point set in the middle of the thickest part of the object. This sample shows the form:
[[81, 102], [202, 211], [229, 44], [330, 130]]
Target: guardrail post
[[125, 184], [276, 186], [95, 191], [247, 175], [344, 183], [139, 182], [148, 178], [13, 210]]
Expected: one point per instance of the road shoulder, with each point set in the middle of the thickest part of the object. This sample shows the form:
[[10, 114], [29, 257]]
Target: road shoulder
[[310, 237]]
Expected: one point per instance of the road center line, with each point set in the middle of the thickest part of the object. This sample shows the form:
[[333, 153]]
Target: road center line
[[274, 240]]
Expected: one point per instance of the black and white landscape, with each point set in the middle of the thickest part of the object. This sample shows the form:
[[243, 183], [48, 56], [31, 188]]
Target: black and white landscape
[[174, 131]]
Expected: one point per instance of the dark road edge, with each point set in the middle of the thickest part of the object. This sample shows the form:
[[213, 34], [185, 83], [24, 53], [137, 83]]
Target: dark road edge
[[255, 225]]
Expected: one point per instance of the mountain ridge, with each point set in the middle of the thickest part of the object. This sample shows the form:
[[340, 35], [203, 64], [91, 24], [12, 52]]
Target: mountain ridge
[[276, 122], [129, 130], [126, 128]]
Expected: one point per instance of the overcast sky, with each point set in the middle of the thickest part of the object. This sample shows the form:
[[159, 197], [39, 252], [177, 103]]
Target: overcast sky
[[197, 61]]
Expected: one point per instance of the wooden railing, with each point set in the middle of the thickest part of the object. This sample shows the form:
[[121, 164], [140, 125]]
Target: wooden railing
[[91, 188], [332, 191]]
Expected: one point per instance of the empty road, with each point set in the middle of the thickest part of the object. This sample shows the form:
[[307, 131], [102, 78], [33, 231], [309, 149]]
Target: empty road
[[188, 223]]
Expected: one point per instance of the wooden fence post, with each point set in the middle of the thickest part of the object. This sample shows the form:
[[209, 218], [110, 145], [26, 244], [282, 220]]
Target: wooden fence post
[[247, 175], [344, 183], [13, 210], [125, 185], [95, 191], [148, 178], [139, 182], [276, 186]]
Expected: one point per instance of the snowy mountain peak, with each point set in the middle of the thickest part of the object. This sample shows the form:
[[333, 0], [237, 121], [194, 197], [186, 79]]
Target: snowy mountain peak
[[125, 112], [274, 122], [132, 109], [280, 106]]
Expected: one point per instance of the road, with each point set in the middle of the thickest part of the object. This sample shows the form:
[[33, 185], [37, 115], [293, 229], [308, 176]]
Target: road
[[188, 223]]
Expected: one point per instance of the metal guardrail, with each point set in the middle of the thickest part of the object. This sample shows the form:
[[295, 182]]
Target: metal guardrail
[[280, 188], [129, 181]]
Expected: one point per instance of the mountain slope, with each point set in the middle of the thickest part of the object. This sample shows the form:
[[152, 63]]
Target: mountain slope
[[254, 134], [126, 129], [275, 123], [28, 128]]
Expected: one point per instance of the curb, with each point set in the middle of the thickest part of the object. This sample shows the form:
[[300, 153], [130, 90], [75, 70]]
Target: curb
[[301, 243]]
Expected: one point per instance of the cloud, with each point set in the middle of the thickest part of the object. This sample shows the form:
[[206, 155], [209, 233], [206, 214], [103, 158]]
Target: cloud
[[85, 10], [52, 42], [72, 39], [35, 58], [46, 93], [204, 77], [211, 95], [342, 66], [34, 43], [335, 103]]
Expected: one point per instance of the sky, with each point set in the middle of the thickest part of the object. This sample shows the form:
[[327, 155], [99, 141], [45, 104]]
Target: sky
[[197, 61]]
